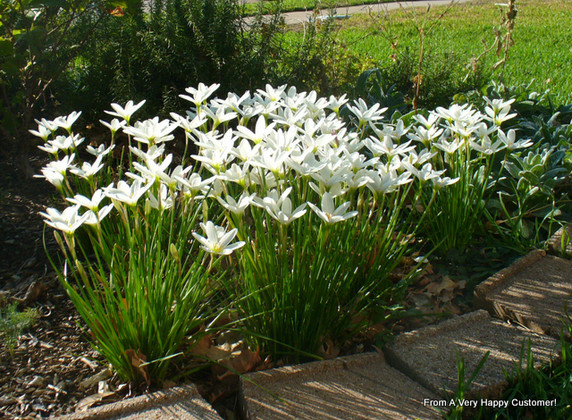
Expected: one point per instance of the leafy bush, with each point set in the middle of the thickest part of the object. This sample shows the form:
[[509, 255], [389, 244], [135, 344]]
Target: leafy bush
[[532, 197], [155, 52], [35, 49]]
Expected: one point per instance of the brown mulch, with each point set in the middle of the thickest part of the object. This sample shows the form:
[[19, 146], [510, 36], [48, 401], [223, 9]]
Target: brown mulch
[[42, 376]]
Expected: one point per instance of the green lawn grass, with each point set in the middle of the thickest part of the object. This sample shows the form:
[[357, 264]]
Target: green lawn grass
[[295, 5], [542, 36]]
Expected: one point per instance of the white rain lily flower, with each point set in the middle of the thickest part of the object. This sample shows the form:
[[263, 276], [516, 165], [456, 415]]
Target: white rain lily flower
[[335, 190], [387, 147], [53, 176], [89, 203], [218, 240], [236, 174], [62, 165], [498, 110], [163, 201], [282, 140], [155, 171], [194, 184], [245, 151], [261, 130], [66, 143], [428, 122], [332, 175], [219, 115], [200, 94], [114, 125], [425, 135], [67, 221], [273, 160], [305, 164], [263, 177], [464, 114], [426, 172], [125, 113], [385, 181], [99, 150], [284, 213], [329, 213], [87, 169], [152, 152], [280, 208], [366, 114], [336, 103], [50, 148], [444, 182], [486, 146], [152, 131], [67, 121], [388, 130], [359, 161], [449, 147], [235, 102], [49, 125], [234, 206], [272, 94], [190, 123], [287, 117], [509, 140], [43, 132], [128, 194]]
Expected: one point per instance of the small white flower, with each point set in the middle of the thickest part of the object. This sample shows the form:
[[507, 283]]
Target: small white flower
[[163, 201], [66, 143], [152, 131], [125, 113], [89, 203], [100, 150], [200, 94], [510, 142], [67, 122], [236, 207], [329, 213], [280, 208], [217, 240], [128, 194], [67, 221], [366, 114], [114, 125], [87, 169], [43, 132]]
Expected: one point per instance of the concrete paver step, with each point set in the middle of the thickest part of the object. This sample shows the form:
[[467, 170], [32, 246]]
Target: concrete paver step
[[181, 403], [429, 355], [362, 386], [534, 291]]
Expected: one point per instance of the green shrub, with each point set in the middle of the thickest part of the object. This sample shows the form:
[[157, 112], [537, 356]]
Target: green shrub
[[155, 54]]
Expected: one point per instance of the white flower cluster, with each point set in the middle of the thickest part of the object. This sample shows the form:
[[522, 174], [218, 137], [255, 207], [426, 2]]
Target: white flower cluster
[[252, 149]]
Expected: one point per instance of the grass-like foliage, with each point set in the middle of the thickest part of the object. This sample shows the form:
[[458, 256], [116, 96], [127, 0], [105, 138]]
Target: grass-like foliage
[[550, 384], [323, 208]]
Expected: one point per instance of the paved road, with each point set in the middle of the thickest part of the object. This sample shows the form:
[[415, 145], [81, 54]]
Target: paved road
[[293, 18]]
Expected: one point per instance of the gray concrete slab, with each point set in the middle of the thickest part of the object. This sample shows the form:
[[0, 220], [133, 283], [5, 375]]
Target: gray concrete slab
[[429, 355], [534, 291], [361, 387], [561, 242], [182, 402]]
